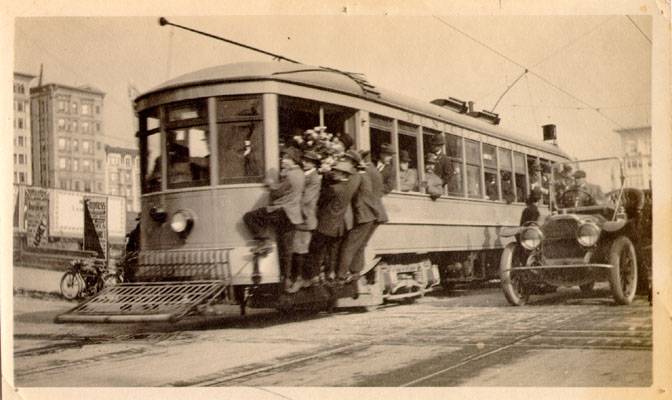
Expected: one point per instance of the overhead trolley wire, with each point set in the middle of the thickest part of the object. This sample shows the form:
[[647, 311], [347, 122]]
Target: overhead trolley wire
[[529, 71]]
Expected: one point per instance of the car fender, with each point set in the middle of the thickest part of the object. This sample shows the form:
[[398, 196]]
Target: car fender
[[613, 226]]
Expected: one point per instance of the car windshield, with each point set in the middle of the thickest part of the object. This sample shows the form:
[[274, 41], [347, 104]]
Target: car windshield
[[585, 183]]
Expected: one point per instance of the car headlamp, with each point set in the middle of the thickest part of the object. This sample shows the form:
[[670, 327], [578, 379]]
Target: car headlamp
[[181, 222], [531, 237], [587, 234]]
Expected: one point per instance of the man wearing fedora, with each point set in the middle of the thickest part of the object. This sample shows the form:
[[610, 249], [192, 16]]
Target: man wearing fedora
[[443, 168], [283, 213], [369, 212], [386, 167], [302, 236], [332, 206], [408, 177]]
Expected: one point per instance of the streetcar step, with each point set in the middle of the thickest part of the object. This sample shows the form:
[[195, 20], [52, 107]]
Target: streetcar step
[[144, 302]]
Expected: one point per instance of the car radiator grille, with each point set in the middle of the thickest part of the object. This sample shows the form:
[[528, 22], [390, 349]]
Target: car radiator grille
[[560, 239]]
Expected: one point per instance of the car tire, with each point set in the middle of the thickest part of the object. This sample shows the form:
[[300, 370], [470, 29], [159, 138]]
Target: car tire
[[623, 274], [513, 284]]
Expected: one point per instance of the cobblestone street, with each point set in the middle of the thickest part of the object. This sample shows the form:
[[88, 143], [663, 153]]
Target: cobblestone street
[[466, 339]]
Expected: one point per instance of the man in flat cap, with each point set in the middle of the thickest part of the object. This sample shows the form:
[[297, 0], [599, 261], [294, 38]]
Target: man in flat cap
[[585, 194], [283, 213], [368, 213], [332, 207], [386, 167], [303, 234], [433, 182], [444, 168], [408, 177]]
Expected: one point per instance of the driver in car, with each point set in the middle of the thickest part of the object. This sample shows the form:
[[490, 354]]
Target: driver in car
[[583, 193]]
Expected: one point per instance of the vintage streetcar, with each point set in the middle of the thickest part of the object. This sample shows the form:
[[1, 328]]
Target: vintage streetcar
[[586, 240], [210, 138]]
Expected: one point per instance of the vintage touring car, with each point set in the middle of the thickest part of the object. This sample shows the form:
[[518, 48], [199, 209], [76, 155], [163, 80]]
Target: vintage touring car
[[585, 240]]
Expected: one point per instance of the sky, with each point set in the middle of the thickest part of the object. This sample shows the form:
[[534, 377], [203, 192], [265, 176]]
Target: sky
[[576, 64]]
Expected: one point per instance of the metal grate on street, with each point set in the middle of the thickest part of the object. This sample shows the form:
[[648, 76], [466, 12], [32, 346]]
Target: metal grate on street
[[147, 301]]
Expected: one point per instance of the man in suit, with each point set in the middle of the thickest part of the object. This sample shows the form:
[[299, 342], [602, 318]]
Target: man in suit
[[332, 207], [369, 212], [408, 177], [283, 213], [302, 236], [444, 167], [385, 166], [585, 194]]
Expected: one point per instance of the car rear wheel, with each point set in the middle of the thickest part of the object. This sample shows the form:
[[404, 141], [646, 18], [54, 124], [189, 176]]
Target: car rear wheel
[[513, 282], [623, 275]]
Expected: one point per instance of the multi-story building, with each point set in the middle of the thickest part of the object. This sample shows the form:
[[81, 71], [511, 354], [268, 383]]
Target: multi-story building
[[636, 143], [122, 175], [22, 143], [67, 137]]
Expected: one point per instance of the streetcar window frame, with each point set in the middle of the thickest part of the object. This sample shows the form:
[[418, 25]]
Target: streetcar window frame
[[256, 145], [147, 131], [473, 160], [490, 170], [407, 139]]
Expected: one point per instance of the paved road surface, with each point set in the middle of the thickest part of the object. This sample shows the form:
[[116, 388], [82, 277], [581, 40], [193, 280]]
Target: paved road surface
[[468, 339]]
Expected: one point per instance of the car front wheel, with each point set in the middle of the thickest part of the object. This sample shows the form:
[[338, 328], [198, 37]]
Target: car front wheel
[[623, 275], [513, 282]]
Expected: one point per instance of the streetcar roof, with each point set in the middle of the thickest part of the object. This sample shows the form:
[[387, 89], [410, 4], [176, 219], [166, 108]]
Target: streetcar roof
[[343, 82]]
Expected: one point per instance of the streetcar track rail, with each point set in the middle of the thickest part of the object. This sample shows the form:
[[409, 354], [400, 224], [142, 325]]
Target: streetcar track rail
[[513, 339]]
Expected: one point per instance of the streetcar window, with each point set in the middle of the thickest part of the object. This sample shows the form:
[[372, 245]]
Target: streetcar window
[[233, 109], [454, 153], [427, 135], [519, 176], [534, 173], [408, 146], [505, 173], [240, 140], [380, 133], [490, 171], [473, 153], [545, 179], [188, 157], [187, 111], [150, 151], [241, 152], [296, 115]]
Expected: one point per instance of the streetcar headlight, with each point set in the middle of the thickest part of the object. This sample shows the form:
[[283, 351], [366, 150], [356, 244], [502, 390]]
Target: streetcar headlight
[[181, 222], [531, 237], [587, 234]]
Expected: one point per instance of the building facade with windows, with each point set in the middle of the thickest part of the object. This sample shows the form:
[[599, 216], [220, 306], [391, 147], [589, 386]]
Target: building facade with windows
[[22, 143], [122, 175], [636, 145], [67, 137]]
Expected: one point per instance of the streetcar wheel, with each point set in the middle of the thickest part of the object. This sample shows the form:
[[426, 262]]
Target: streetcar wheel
[[513, 282], [71, 285], [623, 275], [587, 287]]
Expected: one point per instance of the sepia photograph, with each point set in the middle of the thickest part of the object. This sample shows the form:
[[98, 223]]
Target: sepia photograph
[[348, 201]]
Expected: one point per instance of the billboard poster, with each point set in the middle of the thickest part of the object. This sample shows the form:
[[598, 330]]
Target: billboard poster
[[37, 216], [95, 225], [66, 214]]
